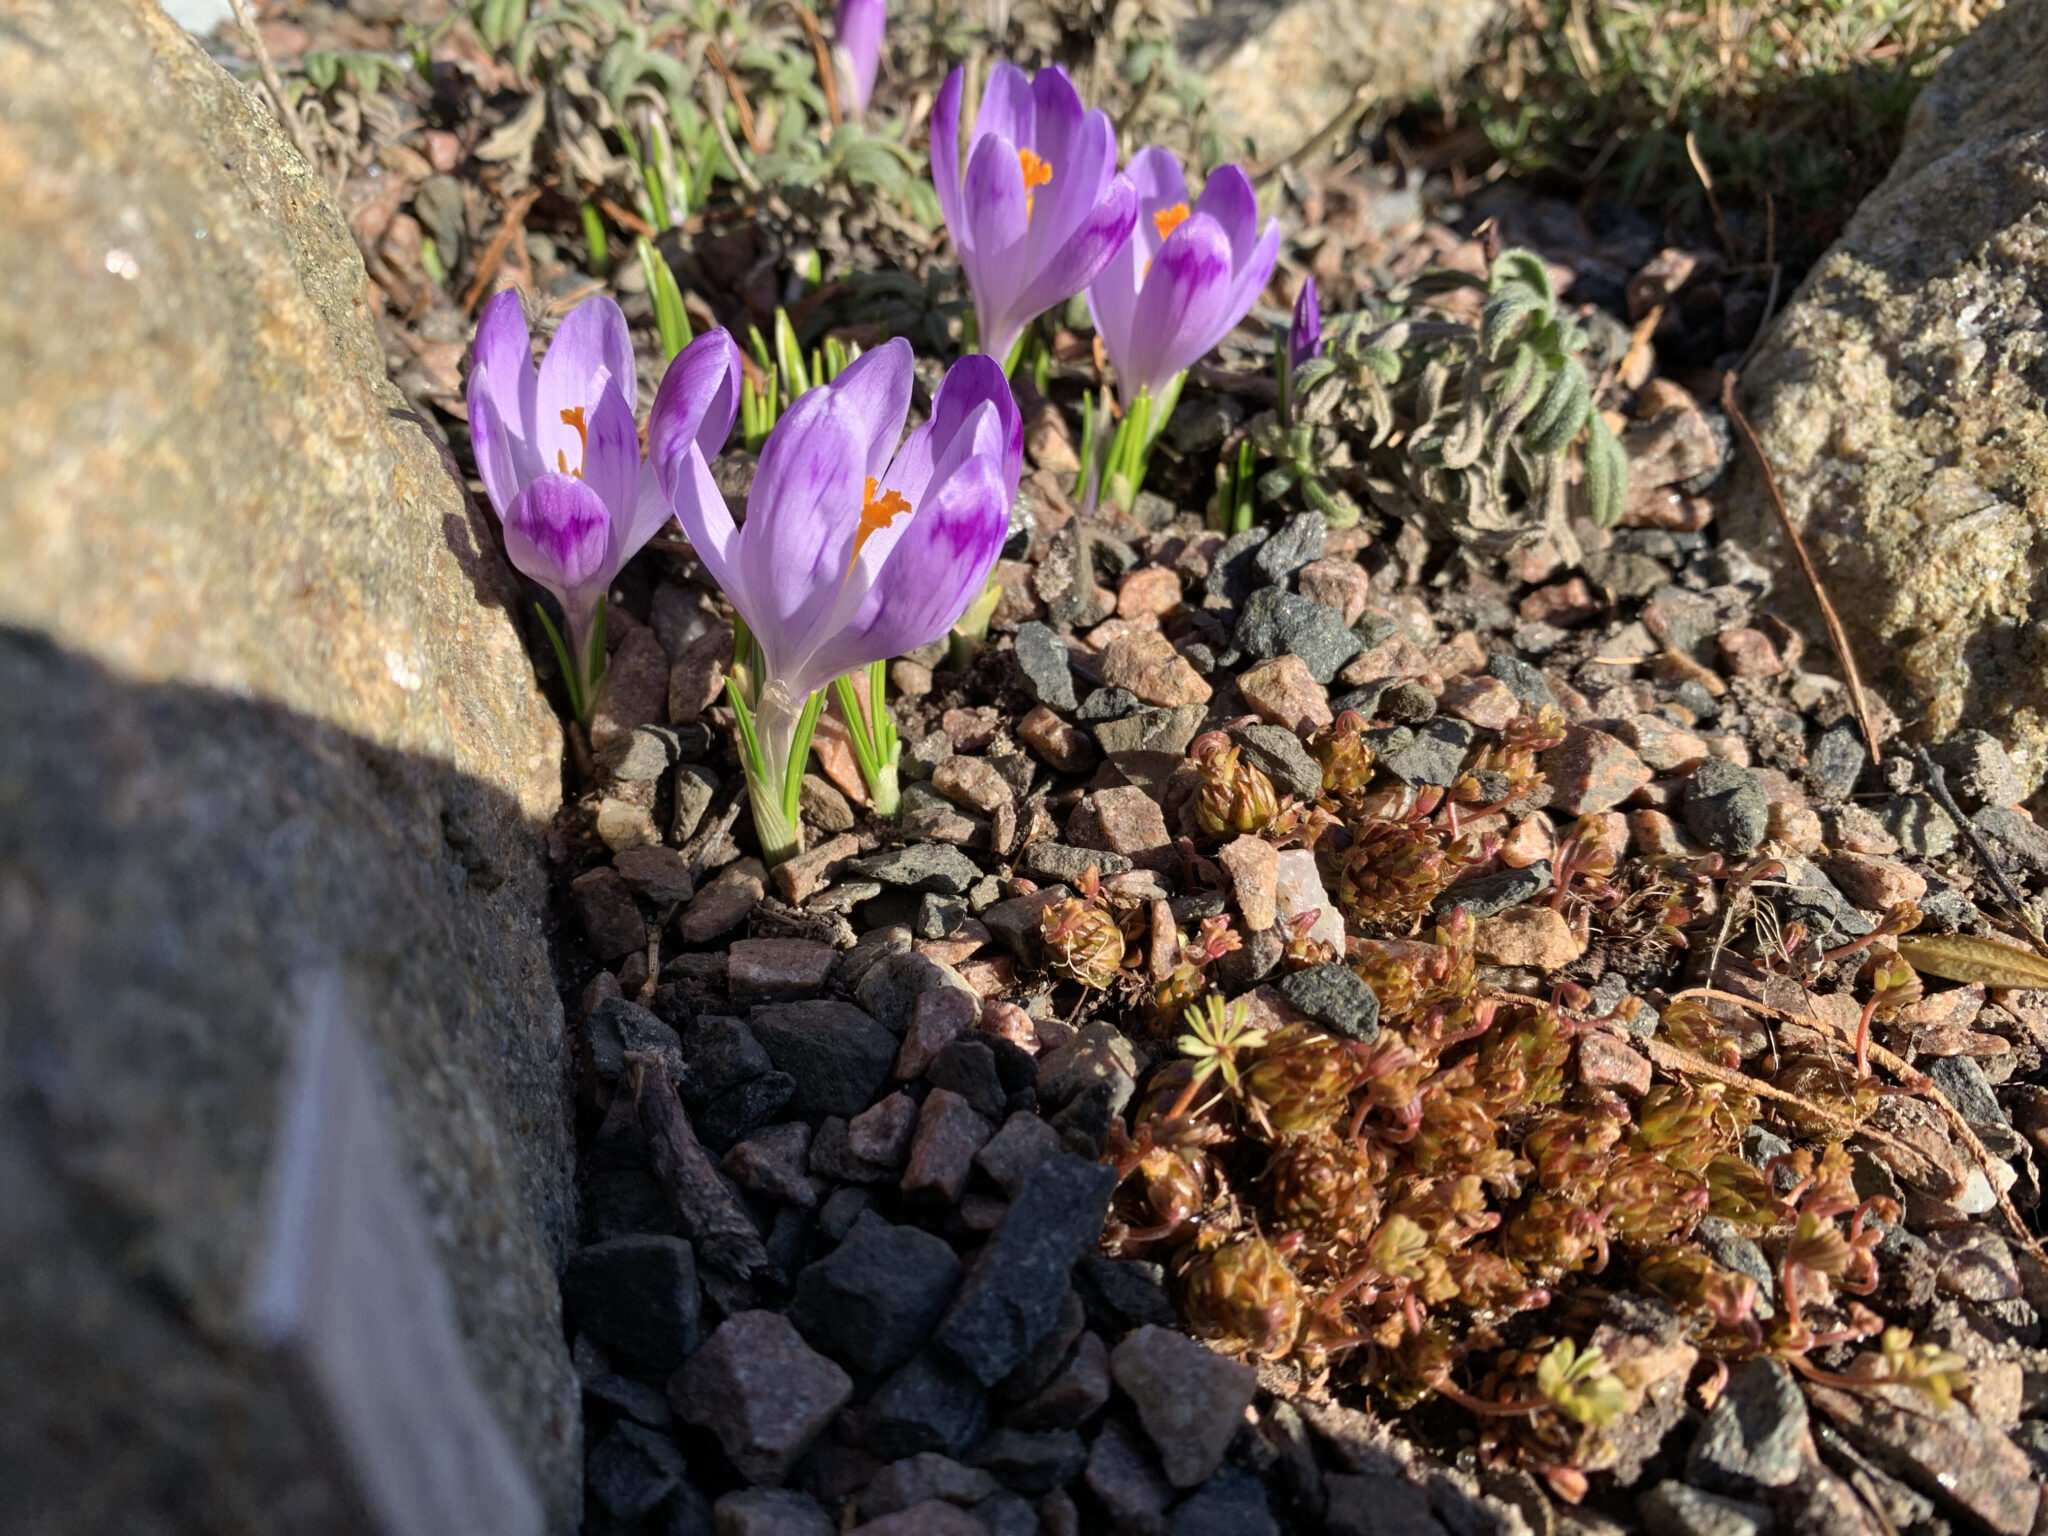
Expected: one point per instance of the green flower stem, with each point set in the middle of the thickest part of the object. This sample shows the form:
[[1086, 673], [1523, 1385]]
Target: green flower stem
[[775, 738], [582, 664], [872, 730]]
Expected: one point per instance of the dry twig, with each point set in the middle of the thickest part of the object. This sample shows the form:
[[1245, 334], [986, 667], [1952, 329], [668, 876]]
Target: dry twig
[[1838, 640], [828, 77], [287, 118], [493, 255]]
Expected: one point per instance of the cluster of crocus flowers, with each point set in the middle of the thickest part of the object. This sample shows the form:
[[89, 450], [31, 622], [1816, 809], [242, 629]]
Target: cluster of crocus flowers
[[1040, 214], [854, 549], [558, 450]]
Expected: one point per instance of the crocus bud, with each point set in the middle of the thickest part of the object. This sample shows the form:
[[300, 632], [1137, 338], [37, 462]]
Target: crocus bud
[[1305, 335], [860, 24]]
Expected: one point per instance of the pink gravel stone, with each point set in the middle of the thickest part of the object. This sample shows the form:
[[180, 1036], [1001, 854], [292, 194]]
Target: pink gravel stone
[[949, 1133]]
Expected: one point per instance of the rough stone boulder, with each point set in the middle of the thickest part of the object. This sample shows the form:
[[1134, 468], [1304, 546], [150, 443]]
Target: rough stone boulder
[[1900, 398], [264, 718], [1279, 70]]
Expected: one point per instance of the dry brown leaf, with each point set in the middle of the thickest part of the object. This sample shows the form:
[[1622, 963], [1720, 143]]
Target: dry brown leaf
[[1958, 957]]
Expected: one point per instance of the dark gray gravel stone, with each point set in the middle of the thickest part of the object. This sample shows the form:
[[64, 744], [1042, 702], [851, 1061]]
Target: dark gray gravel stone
[[890, 988], [1108, 704], [1977, 770], [1523, 680], [739, 1110], [1096, 1053], [839, 1056], [1813, 900], [1836, 762], [1491, 895], [1067, 864], [1432, 753], [1276, 622], [719, 1054], [1232, 1503], [1280, 755], [1336, 998], [938, 915], [929, 1404], [616, 1026], [875, 1299], [1121, 1294], [936, 867], [1364, 701], [2014, 838], [1755, 1436], [1162, 729], [1017, 923], [1731, 1250], [1725, 807], [1672, 1509], [637, 1297], [1233, 569], [1032, 1463], [1373, 629], [832, 1157], [1968, 1089], [1408, 703], [1944, 908], [1922, 827], [1014, 1296], [1042, 657], [632, 1469], [967, 1067], [1291, 546]]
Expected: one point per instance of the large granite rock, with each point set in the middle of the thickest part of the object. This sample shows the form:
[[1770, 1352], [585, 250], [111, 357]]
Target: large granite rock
[[263, 715], [1900, 399], [1279, 70]]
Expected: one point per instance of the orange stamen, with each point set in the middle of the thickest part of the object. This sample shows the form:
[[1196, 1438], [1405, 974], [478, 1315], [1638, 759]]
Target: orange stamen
[[573, 417], [1166, 221], [1036, 174], [876, 513]]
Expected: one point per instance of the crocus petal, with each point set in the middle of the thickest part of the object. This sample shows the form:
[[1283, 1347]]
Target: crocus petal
[[945, 150], [591, 346], [992, 252], [558, 533], [501, 400], [1228, 198], [875, 390], [1185, 292], [860, 24], [1083, 163], [697, 403], [611, 468], [1006, 105], [1161, 185], [707, 521], [1105, 230], [1250, 278], [933, 570]]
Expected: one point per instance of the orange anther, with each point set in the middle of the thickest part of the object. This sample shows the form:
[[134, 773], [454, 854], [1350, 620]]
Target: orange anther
[[876, 513], [1036, 174], [573, 417], [1167, 220]]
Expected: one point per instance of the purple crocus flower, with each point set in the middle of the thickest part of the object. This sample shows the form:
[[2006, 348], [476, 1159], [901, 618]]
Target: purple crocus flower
[[1305, 335], [1187, 277], [854, 549], [860, 24], [559, 453], [1041, 210]]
